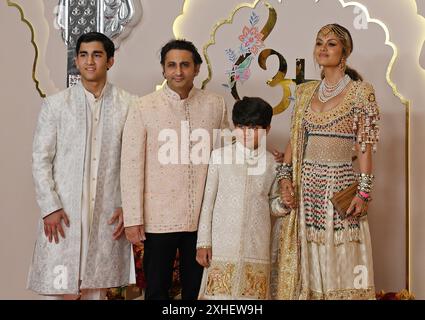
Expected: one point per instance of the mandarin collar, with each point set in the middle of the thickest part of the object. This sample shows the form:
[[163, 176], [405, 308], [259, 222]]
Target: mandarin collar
[[175, 96], [90, 96]]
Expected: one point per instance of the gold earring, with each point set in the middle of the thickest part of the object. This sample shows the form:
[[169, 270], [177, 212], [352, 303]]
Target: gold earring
[[342, 64]]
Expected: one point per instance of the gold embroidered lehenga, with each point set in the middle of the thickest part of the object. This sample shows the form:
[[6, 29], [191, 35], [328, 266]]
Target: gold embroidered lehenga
[[323, 256]]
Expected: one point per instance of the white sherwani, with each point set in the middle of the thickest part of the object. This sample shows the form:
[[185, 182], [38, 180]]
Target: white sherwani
[[235, 222], [59, 167]]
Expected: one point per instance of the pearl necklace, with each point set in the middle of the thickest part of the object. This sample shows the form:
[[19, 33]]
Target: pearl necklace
[[327, 92]]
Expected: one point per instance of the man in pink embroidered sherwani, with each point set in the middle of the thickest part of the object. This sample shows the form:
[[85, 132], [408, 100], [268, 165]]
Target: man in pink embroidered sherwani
[[162, 201]]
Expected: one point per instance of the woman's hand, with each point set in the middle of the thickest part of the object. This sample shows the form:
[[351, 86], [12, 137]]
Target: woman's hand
[[357, 207], [287, 193]]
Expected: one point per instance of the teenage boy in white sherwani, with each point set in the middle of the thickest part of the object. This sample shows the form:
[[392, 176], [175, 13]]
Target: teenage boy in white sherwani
[[80, 250]]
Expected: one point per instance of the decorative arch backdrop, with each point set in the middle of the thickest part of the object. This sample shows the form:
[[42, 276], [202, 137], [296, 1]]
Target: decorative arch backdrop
[[204, 22]]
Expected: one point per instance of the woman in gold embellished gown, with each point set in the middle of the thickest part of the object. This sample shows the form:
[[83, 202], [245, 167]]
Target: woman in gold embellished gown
[[322, 254]]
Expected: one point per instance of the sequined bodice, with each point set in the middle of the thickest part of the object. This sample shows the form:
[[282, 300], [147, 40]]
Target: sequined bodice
[[330, 134]]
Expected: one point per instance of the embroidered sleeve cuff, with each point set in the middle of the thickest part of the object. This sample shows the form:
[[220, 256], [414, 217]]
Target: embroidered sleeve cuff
[[203, 245], [132, 222]]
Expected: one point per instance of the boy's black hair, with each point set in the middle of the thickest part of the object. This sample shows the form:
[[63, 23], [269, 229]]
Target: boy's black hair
[[181, 44], [252, 111], [108, 45]]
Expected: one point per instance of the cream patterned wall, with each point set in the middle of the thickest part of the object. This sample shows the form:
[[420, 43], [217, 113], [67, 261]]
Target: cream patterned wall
[[137, 69]]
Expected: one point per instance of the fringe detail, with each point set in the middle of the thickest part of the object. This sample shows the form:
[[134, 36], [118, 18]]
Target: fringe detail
[[350, 235], [354, 235], [340, 236], [316, 236]]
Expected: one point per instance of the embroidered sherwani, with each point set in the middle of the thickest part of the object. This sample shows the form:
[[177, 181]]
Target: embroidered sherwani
[[161, 193], [334, 260], [235, 222], [74, 171]]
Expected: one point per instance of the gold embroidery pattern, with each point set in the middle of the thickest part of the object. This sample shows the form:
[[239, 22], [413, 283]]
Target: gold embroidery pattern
[[256, 278], [322, 149], [343, 294], [289, 262], [366, 117], [343, 109], [220, 276]]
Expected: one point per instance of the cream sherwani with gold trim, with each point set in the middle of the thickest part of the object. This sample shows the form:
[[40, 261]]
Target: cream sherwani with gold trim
[[235, 222]]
